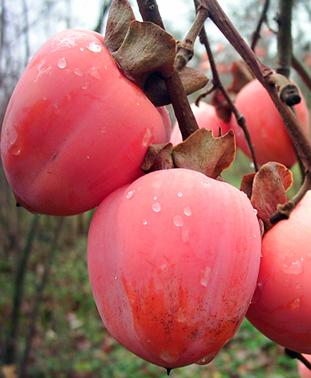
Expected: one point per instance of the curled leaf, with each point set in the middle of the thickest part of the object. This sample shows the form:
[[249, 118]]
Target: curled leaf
[[241, 76], [269, 189], [119, 18], [158, 157], [155, 87], [146, 48], [204, 153], [247, 184]]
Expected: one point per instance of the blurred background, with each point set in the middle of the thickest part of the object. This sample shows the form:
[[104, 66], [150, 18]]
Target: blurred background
[[49, 325]]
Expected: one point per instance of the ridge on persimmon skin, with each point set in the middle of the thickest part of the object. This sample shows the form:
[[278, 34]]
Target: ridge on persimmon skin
[[172, 274], [281, 305], [75, 128], [265, 125]]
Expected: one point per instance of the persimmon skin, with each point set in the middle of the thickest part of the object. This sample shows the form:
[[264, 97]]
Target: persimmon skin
[[75, 128], [281, 306], [265, 125], [173, 274], [207, 118]]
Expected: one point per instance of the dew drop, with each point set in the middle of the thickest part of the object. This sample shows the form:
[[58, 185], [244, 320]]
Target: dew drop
[[187, 211], [258, 293], [205, 276], [180, 194], [252, 165], [84, 86], [156, 207], [115, 277], [95, 47], [78, 72], [130, 194], [62, 63], [295, 304], [255, 211], [145, 222], [88, 157], [94, 73], [293, 268], [82, 49], [178, 221], [203, 361]]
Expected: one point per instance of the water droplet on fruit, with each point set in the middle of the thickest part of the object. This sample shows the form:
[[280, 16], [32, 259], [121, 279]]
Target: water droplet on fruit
[[205, 276], [94, 73], [252, 165], [94, 47], [145, 222], [295, 304], [156, 207], [185, 235], [130, 194], [168, 357], [82, 49], [84, 86], [187, 211], [257, 293], [137, 103], [255, 211], [178, 221], [115, 277], [78, 72], [179, 194], [88, 157], [155, 198], [62, 63], [293, 268], [147, 137], [203, 361]]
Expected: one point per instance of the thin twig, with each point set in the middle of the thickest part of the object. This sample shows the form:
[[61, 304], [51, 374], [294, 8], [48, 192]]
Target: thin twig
[[38, 299], [185, 47], [298, 356], [186, 120], [218, 84], [262, 19], [264, 75], [284, 37], [10, 347], [302, 71]]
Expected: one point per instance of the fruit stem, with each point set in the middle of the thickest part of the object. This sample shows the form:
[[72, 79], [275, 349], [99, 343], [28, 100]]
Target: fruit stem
[[262, 19], [299, 356], [187, 123], [218, 84]]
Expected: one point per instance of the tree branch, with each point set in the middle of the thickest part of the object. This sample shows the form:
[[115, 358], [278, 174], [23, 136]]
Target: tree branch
[[262, 19], [301, 70], [186, 120]]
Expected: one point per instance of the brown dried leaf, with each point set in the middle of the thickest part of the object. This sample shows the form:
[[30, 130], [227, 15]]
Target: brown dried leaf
[[269, 189], [119, 18], [155, 87], [241, 76], [204, 153], [247, 184], [146, 48], [158, 157]]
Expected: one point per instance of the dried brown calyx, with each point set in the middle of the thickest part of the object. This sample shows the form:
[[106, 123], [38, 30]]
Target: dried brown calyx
[[146, 53]]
